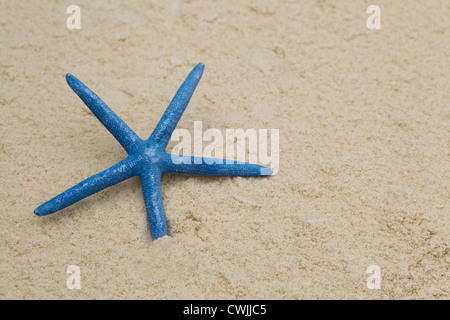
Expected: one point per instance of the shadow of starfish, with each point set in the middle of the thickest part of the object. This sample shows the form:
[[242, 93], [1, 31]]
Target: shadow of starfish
[[146, 159]]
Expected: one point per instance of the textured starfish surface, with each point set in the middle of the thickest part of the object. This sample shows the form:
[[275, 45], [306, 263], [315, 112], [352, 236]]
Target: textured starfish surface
[[146, 158]]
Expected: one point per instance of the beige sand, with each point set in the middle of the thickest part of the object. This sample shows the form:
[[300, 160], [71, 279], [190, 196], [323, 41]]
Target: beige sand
[[364, 149]]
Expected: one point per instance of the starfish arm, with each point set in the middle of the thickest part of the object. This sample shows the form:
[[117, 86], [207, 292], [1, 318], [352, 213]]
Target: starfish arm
[[151, 188], [119, 172], [174, 111], [213, 167], [118, 128]]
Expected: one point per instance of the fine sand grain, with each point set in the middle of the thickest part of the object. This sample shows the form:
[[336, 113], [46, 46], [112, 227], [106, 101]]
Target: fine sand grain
[[364, 149]]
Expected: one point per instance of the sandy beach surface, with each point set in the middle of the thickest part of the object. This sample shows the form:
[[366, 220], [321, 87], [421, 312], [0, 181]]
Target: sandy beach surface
[[363, 118]]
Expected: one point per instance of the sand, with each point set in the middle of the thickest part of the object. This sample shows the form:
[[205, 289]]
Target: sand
[[364, 149]]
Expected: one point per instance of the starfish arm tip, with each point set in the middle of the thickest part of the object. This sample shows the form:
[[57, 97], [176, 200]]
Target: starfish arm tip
[[71, 81], [266, 171], [201, 66], [42, 210], [69, 78]]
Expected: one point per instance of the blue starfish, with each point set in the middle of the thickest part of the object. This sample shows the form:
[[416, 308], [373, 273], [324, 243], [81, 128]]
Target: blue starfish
[[146, 159]]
